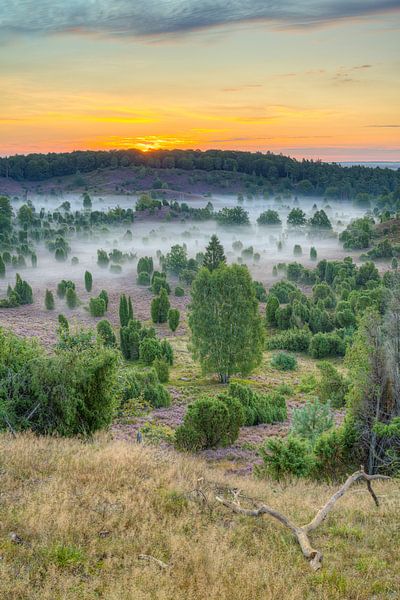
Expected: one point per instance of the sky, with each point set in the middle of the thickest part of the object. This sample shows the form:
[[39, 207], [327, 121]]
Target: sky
[[316, 79]]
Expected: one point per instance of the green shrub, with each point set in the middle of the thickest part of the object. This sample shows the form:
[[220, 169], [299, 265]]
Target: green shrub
[[335, 452], [284, 362], [106, 333], [312, 419], [179, 291], [332, 387], [23, 291], [88, 281], [160, 307], [159, 282], [69, 393], [284, 389], [102, 258], [123, 311], [97, 307], [71, 298], [208, 424], [258, 408], [145, 265], [130, 340], [283, 457], [63, 286], [49, 300], [283, 316], [143, 278], [270, 310], [173, 318], [144, 385], [308, 383], [63, 322], [293, 340], [162, 369], [167, 352], [103, 294], [326, 344], [149, 350]]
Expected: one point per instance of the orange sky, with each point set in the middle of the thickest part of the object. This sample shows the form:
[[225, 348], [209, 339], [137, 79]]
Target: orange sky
[[327, 92]]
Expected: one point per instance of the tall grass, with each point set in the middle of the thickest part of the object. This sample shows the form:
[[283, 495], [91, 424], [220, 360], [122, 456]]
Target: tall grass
[[85, 511]]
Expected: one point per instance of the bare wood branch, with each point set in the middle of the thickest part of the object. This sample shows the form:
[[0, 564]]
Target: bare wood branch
[[150, 558], [301, 533]]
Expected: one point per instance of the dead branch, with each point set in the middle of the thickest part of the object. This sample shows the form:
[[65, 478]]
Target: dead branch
[[301, 533], [150, 558]]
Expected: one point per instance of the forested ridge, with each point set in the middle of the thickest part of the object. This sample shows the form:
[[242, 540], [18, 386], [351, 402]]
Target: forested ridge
[[281, 172]]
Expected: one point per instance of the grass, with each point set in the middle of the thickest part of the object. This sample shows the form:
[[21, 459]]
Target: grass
[[85, 511]]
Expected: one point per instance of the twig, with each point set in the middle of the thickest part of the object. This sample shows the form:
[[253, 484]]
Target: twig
[[301, 533], [150, 558]]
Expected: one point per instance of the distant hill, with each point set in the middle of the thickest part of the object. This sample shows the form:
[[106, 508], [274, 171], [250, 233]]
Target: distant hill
[[120, 171]]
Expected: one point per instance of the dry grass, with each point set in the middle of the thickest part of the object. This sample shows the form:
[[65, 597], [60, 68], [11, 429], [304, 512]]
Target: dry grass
[[85, 512]]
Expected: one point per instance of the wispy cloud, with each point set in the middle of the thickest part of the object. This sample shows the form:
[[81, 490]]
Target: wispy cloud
[[161, 17], [384, 126]]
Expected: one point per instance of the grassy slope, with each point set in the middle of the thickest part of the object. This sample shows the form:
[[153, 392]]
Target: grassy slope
[[86, 511]]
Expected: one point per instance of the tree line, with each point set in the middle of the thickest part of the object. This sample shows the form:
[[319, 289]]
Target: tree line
[[306, 177]]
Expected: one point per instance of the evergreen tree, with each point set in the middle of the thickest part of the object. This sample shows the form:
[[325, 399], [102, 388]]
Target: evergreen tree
[[88, 281], [130, 340], [2, 268], [227, 333], [313, 253], [103, 294], [123, 311], [160, 307], [23, 291], [270, 310], [49, 300], [173, 318], [71, 298], [87, 201], [63, 322], [214, 255], [106, 333]]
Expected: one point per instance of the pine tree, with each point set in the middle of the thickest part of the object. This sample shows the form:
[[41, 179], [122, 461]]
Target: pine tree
[[160, 307], [106, 333], [103, 294], [71, 298], [63, 322], [270, 310], [123, 311], [88, 281], [173, 318], [130, 340], [49, 300], [2, 268], [23, 291], [214, 255]]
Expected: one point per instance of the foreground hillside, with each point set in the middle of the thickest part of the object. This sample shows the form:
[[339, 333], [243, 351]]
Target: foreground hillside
[[74, 518]]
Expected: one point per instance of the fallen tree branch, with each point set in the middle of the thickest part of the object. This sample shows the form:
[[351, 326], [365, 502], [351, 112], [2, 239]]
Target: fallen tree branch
[[301, 533], [150, 558]]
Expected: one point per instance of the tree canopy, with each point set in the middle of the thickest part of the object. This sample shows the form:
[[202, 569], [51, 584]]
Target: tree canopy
[[226, 328]]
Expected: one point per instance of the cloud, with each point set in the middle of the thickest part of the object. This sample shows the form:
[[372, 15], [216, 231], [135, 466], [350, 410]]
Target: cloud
[[382, 126], [142, 18]]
